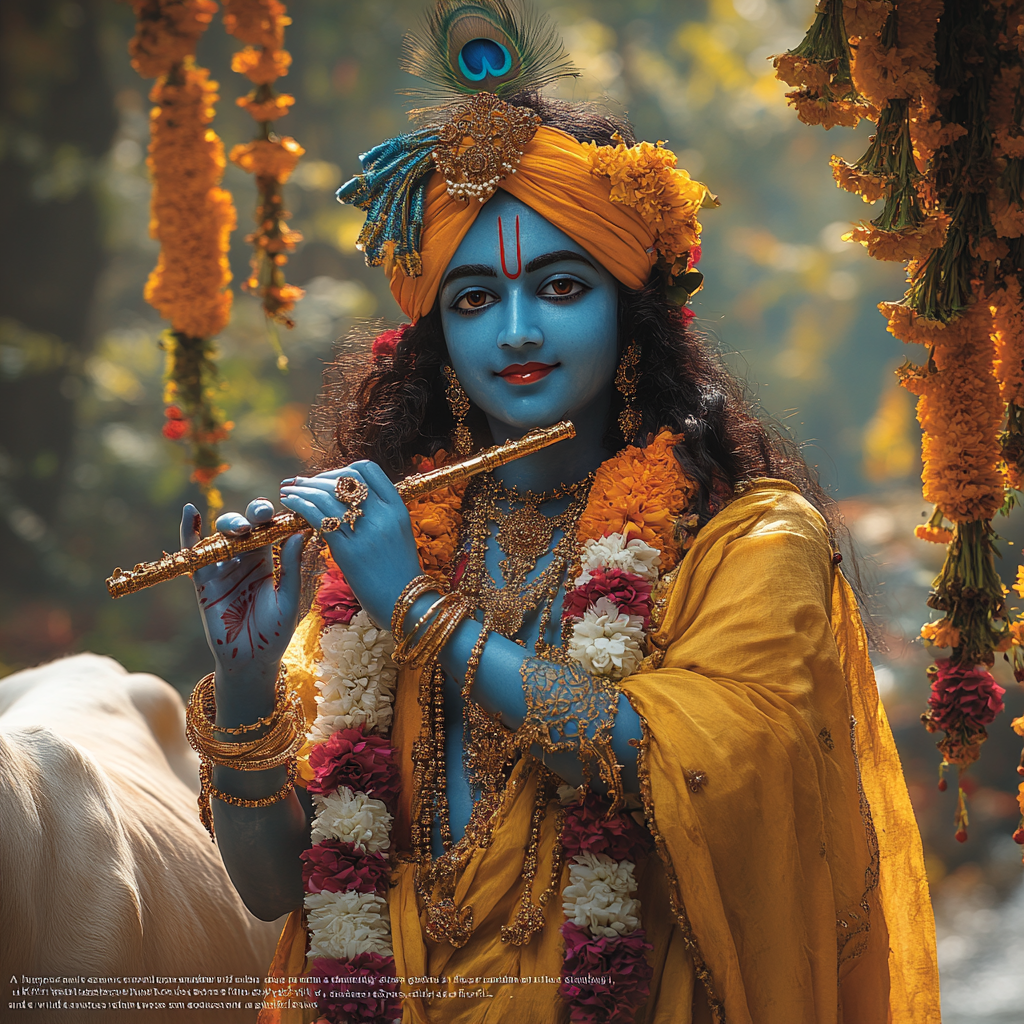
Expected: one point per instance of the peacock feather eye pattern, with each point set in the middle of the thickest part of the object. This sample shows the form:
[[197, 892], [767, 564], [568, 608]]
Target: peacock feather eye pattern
[[485, 46]]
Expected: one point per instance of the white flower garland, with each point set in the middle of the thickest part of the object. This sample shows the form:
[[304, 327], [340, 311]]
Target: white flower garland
[[597, 896], [356, 680]]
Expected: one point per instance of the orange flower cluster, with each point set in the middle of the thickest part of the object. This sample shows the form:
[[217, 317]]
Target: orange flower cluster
[[895, 59], [436, 521], [821, 66], [911, 243], [646, 178], [960, 412], [940, 634], [166, 32], [641, 493], [260, 24], [189, 214]]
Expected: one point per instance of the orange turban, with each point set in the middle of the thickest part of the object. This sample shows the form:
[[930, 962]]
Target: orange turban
[[556, 177]]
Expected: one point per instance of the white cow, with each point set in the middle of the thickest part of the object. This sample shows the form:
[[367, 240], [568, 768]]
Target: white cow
[[105, 870]]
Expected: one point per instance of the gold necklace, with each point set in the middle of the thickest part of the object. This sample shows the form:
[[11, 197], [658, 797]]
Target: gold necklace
[[524, 534]]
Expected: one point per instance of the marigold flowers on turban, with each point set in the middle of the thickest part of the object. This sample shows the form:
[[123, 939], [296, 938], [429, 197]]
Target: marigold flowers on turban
[[646, 177]]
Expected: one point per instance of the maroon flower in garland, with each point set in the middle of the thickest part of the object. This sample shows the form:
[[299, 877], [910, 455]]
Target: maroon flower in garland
[[334, 866], [335, 599], [356, 1000], [587, 830], [620, 960], [362, 763], [963, 696], [630, 593]]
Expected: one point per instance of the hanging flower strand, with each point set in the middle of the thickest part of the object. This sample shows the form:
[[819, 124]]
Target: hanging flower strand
[[260, 24], [192, 217], [947, 159]]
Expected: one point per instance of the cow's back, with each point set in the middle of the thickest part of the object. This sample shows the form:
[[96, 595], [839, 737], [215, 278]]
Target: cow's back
[[104, 868]]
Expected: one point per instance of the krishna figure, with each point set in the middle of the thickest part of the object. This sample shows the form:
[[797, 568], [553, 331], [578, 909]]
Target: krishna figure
[[593, 737]]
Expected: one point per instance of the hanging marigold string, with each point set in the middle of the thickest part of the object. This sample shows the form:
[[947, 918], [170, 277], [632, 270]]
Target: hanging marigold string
[[943, 83], [260, 24], [192, 218]]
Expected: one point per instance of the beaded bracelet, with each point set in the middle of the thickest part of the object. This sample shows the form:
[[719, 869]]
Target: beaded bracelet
[[454, 609], [410, 594]]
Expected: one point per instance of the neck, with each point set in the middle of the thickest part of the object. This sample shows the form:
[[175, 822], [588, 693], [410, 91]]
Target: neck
[[562, 463]]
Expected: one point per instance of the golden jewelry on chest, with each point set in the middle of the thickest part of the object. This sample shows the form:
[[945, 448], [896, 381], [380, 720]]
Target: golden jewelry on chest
[[524, 535]]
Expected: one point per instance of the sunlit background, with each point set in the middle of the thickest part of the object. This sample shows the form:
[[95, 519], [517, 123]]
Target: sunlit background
[[87, 482]]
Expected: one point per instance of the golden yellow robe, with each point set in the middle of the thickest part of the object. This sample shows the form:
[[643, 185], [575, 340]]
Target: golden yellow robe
[[788, 885]]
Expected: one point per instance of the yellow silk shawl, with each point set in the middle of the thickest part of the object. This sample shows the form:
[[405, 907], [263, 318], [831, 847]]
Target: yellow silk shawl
[[789, 884]]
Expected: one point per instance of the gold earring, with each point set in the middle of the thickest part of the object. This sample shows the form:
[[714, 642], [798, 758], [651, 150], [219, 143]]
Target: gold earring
[[625, 380], [458, 402]]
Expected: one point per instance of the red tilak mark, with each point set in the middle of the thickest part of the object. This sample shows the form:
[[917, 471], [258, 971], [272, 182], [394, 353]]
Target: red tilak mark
[[519, 255]]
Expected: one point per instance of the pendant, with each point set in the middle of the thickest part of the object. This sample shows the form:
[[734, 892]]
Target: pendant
[[525, 534]]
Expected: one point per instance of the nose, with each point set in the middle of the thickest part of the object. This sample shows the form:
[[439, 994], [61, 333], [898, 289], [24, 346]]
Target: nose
[[518, 331]]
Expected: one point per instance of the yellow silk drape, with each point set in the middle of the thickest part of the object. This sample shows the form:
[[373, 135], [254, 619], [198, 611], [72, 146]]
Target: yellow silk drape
[[791, 886]]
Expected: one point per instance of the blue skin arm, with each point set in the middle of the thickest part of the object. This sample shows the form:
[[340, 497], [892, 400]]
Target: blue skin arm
[[248, 625], [379, 559]]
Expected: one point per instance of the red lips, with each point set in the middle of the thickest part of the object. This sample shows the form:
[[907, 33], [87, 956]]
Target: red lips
[[526, 373]]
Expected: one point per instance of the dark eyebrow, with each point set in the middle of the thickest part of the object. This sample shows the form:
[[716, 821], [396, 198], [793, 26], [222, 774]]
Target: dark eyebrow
[[469, 270], [562, 256]]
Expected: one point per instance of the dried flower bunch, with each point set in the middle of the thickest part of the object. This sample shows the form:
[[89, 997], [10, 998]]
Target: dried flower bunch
[[943, 83]]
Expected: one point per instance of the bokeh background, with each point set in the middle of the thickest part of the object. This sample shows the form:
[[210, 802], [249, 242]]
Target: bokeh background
[[87, 482]]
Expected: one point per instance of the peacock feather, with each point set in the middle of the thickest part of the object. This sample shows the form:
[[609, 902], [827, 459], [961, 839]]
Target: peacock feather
[[471, 46]]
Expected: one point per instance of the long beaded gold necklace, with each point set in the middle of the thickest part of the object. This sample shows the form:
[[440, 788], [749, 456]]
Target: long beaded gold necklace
[[524, 535]]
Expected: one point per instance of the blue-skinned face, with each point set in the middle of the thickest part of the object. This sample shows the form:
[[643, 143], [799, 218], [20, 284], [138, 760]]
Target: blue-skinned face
[[530, 321]]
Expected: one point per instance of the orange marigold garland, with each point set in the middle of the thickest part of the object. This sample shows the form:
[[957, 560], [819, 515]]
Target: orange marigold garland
[[943, 81], [192, 217], [260, 24]]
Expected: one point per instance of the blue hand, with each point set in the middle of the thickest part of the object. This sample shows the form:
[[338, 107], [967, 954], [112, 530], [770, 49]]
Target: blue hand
[[378, 557], [248, 621]]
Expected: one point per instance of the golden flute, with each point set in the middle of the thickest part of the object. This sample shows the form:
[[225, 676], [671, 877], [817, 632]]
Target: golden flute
[[219, 547]]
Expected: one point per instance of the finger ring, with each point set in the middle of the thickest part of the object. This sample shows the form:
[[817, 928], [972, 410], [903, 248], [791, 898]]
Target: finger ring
[[351, 493], [330, 524]]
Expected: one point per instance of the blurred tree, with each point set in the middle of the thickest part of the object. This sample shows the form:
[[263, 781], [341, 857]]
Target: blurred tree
[[56, 122]]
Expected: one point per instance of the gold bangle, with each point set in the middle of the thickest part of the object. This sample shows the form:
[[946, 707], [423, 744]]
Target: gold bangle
[[283, 739], [208, 790], [410, 594], [439, 632], [402, 650]]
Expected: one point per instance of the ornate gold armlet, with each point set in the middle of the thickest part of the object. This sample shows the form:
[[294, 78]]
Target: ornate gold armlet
[[570, 711]]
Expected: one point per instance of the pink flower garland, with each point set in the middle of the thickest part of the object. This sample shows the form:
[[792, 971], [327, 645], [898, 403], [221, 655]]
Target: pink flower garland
[[630, 593], [358, 999], [364, 763], [619, 962]]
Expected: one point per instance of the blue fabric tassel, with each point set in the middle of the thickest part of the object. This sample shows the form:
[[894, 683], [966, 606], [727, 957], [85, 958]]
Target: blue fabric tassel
[[393, 189]]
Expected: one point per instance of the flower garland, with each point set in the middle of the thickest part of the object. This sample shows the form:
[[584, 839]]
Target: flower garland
[[192, 217], [260, 24], [947, 160], [637, 498]]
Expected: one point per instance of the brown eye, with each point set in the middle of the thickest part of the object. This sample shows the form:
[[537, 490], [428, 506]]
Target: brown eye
[[563, 288], [475, 299]]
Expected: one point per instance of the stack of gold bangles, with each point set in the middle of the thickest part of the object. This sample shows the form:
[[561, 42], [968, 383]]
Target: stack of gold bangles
[[285, 733], [441, 620]]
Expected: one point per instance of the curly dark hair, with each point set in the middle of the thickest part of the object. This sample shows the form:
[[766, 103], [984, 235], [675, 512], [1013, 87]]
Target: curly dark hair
[[396, 408]]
